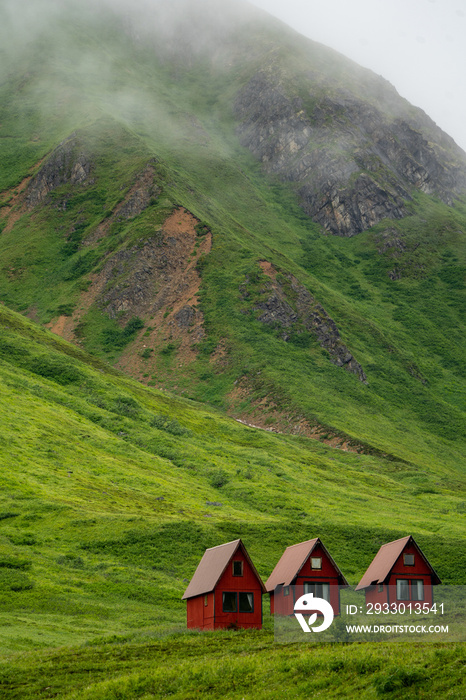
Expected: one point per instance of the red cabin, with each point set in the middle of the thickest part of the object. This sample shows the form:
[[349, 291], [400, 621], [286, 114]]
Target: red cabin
[[399, 573], [306, 567], [225, 591]]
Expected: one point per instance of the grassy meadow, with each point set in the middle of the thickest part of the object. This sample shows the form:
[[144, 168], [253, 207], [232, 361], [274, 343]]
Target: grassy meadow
[[111, 491]]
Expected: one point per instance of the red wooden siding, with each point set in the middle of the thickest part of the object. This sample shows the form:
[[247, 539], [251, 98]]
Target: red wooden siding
[[247, 583], [224, 569], [421, 571], [200, 615], [282, 604]]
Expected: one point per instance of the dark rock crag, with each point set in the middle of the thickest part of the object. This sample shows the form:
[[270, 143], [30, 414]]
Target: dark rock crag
[[290, 307], [155, 276], [68, 163], [350, 164], [140, 196]]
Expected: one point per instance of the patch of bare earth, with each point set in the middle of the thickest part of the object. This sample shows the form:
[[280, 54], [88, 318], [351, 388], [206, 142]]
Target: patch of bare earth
[[15, 207], [157, 281], [219, 357], [268, 269], [65, 326], [171, 312], [265, 414]]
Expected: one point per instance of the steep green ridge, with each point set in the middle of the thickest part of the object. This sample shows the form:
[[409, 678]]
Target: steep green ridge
[[110, 492], [404, 332], [100, 106]]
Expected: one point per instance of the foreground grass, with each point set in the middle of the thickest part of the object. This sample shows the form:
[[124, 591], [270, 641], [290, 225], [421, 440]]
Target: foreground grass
[[110, 493], [235, 665]]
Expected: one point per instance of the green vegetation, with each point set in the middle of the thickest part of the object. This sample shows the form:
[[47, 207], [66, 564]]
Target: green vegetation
[[235, 665], [99, 538], [107, 488]]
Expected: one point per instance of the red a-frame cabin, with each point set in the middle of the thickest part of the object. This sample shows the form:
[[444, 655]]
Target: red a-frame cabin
[[399, 573], [225, 591], [306, 567]]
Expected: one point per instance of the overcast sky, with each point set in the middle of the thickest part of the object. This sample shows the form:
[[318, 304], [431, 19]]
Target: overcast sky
[[418, 45]]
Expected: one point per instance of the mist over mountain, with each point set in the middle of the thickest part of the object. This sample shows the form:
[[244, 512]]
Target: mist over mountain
[[115, 116], [231, 305]]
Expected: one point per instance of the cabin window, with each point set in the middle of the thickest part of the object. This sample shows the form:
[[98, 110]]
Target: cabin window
[[246, 602], [380, 587], [286, 590], [206, 600], [320, 590], [408, 559], [229, 602], [316, 562], [417, 589], [402, 589], [237, 568]]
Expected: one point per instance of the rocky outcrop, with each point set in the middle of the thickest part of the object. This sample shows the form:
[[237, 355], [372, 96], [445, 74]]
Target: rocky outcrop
[[68, 163], [291, 308], [140, 196], [156, 278], [351, 165]]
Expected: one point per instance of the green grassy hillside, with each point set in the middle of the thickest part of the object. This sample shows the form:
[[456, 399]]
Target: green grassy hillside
[[406, 332], [110, 492], [135, 224]]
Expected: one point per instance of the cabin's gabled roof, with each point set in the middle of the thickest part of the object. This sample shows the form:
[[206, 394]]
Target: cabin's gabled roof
[[291, 562], [385, 560], [211, 567]]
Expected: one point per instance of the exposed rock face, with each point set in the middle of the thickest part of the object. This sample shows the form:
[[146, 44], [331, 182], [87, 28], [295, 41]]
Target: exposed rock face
[[185, 317], [136, 277], [308, 314], [352, 166], [67, 164], [140, 196], [156, 278]]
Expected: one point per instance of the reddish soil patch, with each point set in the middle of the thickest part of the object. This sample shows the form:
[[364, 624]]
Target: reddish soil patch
[[268, 269], [266, 415], [159, 284], [219, 356], [13, 211], [173, 317]]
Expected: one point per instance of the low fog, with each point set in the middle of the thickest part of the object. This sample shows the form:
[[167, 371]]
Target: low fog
[[417, 45]]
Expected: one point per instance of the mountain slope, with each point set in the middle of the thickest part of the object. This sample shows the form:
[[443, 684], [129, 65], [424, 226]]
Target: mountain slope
[[111, 491], [142, 152]]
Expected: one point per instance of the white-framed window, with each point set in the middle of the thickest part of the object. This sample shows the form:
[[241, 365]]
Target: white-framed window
[[402, 589], [316, 562], [417, 589], [320, 589]]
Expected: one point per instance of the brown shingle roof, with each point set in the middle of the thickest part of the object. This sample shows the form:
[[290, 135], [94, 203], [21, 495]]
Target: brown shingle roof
[[292, 561], [384, 562], [211, 567]]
